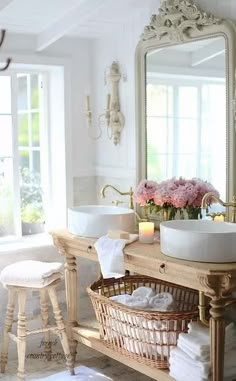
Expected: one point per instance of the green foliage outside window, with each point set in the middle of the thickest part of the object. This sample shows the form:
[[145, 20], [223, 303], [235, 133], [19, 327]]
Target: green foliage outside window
[[31, 197]]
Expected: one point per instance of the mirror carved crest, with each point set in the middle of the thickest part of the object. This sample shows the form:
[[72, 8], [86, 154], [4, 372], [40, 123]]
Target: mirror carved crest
[[175, 18]]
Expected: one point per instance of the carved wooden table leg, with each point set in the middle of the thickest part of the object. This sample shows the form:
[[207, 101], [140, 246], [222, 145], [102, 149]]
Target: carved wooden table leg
[[217, 286], [217, 330], [71, 299]]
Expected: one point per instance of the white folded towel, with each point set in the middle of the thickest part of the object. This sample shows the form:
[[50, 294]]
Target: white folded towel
[[205, 356], [197, 342], [230, 360], [195, 368], [143, 292], [31, 273], [180, 375], [188, 369], [198, 327], [111, 256], [162, 302]]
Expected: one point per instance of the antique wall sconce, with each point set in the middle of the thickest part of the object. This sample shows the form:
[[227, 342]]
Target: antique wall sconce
[[113, 117], [2, 38]]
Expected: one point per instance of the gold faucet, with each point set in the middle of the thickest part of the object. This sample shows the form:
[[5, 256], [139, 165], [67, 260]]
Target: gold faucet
[[232, 204], [130, 194]]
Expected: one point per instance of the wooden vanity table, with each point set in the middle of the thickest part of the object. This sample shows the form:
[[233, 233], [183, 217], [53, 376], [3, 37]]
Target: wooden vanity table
[[216, 280]]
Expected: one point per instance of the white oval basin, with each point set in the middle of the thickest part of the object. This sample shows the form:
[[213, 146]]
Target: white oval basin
[[96, 220], [201, 241]]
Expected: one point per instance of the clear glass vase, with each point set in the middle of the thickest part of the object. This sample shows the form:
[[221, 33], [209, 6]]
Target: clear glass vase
[[168, 214]]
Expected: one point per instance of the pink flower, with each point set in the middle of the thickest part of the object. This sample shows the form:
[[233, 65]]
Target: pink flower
[[145, 191], [181, 193], [178, 193]]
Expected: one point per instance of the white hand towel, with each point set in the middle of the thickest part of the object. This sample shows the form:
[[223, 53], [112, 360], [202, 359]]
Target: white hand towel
[[198, 327], [199, 344], [162, 302], [144, 292], [178, 356], [31, 273], [230, 359], [203, 357], [111, 256], [188, 369], [180, 375]]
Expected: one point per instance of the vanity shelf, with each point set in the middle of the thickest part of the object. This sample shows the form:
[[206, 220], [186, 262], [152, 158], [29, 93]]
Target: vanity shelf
[[88, 335], [217, 280]]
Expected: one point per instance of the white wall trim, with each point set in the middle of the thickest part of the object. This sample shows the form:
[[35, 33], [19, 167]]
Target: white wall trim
[[33, 59]]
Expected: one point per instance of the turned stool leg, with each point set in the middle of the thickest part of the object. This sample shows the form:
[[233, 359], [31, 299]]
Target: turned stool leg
[[21, 335], [7, 327], [45, 323], [61, 328]]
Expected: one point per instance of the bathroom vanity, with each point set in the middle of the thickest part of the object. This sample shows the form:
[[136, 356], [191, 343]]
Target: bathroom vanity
[[216, 280]]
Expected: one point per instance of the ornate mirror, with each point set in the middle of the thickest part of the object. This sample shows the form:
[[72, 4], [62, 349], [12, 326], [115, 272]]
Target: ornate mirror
[[185, 97]]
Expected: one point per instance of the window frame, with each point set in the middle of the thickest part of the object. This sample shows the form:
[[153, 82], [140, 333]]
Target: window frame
[[44, 137]]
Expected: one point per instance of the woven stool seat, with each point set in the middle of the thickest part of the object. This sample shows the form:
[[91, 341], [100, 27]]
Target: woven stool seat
[[34, 274], [18, 278]]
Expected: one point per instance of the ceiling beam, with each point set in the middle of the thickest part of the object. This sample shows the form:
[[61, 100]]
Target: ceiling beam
[[4, 4], [76, 16], [208, 52]]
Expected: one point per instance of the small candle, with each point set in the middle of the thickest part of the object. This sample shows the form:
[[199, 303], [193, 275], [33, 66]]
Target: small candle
[[87, 103], [219, 218], [146, 232]]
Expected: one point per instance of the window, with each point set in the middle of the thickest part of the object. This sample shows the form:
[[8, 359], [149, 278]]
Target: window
[[181, 128], [21, 123]]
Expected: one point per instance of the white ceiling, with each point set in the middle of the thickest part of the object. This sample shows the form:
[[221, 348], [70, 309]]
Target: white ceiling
[[50, 20]]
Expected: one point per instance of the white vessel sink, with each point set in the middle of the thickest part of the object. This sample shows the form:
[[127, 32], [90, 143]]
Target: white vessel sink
[[96, 220], [201, 241]]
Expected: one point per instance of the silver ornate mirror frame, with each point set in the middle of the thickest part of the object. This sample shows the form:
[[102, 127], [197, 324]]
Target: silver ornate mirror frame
[[181, 21]]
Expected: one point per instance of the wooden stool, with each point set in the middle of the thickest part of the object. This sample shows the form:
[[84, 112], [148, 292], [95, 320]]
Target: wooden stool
[[18, 279]]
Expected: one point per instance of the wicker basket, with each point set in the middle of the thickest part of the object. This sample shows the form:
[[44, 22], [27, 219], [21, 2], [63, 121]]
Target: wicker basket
[[146, 336]]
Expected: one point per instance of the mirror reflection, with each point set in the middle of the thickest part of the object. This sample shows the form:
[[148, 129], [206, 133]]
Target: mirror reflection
[[186, 112]]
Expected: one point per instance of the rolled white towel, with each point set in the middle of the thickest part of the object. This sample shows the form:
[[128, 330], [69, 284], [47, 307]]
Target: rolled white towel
[[162, 302], [143, 292], [138, 302], [123, 298]]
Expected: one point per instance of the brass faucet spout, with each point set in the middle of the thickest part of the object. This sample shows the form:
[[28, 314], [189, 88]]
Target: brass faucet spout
[[129, 193], [211, 195]]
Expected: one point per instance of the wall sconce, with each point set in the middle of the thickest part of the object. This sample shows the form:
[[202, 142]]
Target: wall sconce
[[113, 117], [2, 38]]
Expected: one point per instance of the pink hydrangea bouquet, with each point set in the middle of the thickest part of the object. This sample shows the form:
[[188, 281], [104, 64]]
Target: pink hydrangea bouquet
[[174, 194]]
